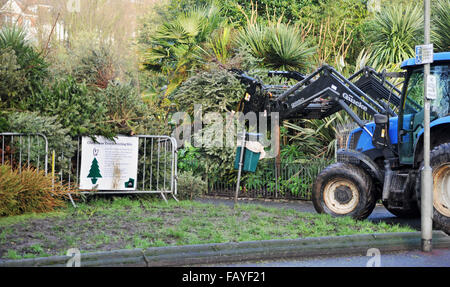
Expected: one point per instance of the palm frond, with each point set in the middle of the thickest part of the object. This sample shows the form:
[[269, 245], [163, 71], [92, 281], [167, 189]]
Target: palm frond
[[441, 25], [177, 45]]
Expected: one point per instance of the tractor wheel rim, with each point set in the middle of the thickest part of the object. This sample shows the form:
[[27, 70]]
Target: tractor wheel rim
[[441, 190], [331, 196]]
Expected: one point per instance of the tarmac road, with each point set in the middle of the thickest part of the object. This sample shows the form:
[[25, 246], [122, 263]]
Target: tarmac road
[[380, 214], [437, 258]]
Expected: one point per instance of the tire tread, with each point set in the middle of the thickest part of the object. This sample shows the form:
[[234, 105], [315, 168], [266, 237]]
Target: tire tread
[[352, 171]]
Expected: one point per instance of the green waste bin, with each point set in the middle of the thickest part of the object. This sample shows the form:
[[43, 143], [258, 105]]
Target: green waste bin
[[250, 160]]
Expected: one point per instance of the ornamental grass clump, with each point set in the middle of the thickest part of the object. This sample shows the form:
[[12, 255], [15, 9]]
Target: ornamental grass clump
[[29, 191]]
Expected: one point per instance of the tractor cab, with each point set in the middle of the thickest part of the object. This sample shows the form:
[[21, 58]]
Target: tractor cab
[[411, 116]]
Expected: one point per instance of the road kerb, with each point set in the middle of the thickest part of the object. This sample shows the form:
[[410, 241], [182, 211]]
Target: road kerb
[[243, 251]]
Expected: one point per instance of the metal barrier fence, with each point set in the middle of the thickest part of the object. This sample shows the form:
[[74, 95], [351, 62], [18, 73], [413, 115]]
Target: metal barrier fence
[[291, 181], [157, 161], [24, 150]]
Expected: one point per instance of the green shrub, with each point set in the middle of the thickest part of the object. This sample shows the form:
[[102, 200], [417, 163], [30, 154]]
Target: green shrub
[[190, 159], [29, 191], [190, 186], [287, 50], [4, 124], [176, 47], [291, 10], [13, 81]]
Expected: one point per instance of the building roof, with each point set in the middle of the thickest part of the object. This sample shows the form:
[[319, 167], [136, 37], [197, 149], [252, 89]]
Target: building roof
[[437, 57], [24, 5]]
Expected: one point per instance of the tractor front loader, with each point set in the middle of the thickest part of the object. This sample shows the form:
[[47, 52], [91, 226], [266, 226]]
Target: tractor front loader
[[382, 159]]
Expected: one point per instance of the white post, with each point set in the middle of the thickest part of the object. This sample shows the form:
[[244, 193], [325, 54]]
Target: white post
[[241, 164], [427, 174]]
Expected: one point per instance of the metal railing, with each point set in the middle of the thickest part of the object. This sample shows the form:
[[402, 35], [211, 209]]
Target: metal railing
[[157, 162], [21, 150], [289, 180], [157, 167]]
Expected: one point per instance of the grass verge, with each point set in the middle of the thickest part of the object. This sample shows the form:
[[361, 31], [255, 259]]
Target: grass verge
[[124, 223]]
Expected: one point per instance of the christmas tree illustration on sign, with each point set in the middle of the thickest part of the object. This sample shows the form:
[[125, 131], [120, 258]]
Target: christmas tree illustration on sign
[[94, 171]]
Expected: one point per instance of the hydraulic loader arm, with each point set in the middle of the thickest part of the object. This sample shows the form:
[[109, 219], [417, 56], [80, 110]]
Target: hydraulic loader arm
[[257, 94], [323, 93], [375, 84]]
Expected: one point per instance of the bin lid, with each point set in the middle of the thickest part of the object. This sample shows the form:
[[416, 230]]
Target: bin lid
[[256, 147]]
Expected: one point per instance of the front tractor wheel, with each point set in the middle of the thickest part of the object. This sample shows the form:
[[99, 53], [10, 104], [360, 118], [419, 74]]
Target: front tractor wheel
[[440, 162], [344, 189]]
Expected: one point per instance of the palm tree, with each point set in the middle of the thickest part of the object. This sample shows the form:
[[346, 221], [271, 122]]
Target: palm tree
[[27, 62], [177, 45], [441, 25], [15, 38], [279, 46], [393, 34]]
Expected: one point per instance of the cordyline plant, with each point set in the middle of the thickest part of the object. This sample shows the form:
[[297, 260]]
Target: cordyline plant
[[279, 46], [393, 34], [22, 63]]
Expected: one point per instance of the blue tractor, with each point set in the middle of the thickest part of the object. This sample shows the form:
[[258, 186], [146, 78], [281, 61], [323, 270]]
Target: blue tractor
[[382, 159]]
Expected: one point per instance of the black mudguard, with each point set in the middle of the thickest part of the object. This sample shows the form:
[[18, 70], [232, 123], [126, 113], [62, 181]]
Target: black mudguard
[[363, 161]]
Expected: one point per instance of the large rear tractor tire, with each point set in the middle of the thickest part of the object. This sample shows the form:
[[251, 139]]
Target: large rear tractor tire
[[440, 162], [343, 189]]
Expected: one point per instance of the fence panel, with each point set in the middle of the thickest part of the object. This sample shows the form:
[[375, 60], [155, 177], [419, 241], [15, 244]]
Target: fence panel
[[157, 161], [290, 181], [21, 150], [157, 167]]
